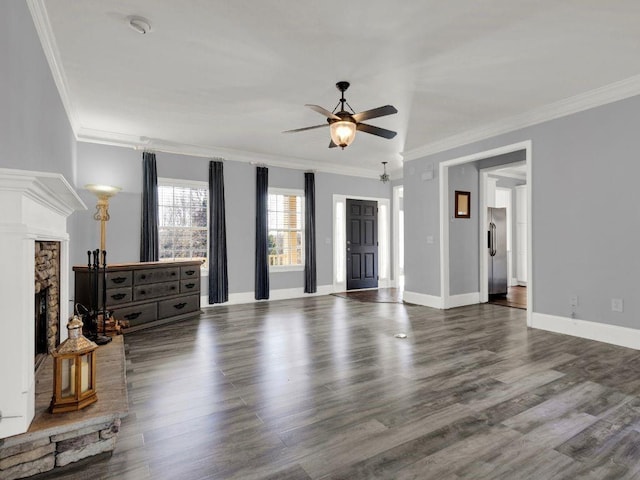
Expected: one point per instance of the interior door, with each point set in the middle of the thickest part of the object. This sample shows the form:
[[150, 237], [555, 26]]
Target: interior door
[[362, 244]]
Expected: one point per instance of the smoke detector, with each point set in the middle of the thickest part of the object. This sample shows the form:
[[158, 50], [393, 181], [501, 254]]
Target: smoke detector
[[139, 24]]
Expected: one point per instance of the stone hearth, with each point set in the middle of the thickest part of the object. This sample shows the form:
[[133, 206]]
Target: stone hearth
[[56, 440]]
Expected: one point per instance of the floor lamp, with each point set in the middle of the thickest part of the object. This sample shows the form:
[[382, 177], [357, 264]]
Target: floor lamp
[[103, 193]]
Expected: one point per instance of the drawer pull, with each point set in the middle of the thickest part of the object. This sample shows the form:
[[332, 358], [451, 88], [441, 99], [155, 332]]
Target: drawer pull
[[173, 287], [189, 285], [173, 274], [133, 316], [189, 272], [118, 279], [143, 292], [118, 296], [143, 276], [180, 306]]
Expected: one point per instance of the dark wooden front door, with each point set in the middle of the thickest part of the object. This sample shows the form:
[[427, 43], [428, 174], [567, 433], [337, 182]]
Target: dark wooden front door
[[362, 244]]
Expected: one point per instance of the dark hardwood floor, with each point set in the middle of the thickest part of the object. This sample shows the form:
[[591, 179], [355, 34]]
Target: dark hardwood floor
[[320, 388]]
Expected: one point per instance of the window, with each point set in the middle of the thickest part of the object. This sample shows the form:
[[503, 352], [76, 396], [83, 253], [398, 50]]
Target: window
[[286, 228], [183, 220]]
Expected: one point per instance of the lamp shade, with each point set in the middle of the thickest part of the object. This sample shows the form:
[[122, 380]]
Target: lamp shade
[[102, 191], [343, 132]]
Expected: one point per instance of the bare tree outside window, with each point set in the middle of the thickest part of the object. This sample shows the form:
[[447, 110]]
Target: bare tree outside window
[[183, 217]]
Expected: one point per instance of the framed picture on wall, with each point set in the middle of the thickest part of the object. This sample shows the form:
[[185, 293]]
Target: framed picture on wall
[[463, 204]]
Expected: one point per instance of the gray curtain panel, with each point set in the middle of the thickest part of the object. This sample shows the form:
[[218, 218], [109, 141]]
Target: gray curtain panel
[[310, 280], [262, 226], [149, 243], [218, 279]]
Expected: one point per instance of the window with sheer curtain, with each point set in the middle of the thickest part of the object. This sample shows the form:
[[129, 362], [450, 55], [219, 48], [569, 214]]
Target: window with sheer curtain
[[183, 220], [286, 229]]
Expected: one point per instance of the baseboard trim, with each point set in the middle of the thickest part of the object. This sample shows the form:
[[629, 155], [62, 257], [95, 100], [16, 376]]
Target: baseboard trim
[[463, 299], [601, 332], [423, 299], [279, 294]]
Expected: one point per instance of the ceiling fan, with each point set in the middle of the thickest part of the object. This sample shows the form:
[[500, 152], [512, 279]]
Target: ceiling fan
[[343, 123]]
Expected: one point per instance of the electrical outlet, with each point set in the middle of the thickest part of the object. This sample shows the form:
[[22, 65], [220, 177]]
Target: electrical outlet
[[617, 305], [574, 301]]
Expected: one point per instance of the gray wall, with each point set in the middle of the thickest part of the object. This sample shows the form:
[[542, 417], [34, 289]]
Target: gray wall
[[123, 167], [463, 232], [421, 221], [584, 213], [34, 130]]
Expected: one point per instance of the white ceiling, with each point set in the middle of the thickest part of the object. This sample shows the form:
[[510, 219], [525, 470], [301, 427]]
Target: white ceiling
[[222, 77]]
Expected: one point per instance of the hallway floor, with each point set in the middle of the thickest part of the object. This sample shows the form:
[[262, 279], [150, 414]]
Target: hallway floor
[[516, 298]]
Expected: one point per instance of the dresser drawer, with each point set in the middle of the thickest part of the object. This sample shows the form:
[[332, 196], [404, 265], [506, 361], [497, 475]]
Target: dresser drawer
[[119, 279], [154, 275], [138, 314], [116, 296], [145, 292], [192, 285], [192, 271], [178, 306]]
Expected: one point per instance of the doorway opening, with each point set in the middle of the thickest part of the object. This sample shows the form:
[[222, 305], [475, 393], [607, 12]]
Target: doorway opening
[[506, 188], [482, 296], [383, 234]]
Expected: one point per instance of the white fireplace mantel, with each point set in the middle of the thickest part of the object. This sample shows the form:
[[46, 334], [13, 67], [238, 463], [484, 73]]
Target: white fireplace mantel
[[34, 206]]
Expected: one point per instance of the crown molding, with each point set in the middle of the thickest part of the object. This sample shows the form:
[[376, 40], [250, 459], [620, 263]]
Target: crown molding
[[159, 145], [594, 98], [52, 53]]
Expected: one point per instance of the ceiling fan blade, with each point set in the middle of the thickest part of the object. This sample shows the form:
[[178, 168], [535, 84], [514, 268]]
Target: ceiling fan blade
[[332, 145], [380, 132], [322, 111], [306, 128], [375, 113]]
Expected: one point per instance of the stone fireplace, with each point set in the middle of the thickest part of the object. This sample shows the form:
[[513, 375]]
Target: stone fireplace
[[35, 208], [47, 298]]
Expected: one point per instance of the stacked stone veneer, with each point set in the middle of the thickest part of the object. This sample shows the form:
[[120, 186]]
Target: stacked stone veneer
[[47, 274], [26, 455]]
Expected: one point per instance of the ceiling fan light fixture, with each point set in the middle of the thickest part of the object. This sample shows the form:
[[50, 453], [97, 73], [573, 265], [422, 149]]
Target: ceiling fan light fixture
[[342, 133]]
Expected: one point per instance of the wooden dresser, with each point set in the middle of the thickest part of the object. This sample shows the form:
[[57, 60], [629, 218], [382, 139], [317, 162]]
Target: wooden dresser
[[147, 292]]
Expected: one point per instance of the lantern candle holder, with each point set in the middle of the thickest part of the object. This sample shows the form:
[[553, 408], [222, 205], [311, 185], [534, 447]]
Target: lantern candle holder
[[74, 371]]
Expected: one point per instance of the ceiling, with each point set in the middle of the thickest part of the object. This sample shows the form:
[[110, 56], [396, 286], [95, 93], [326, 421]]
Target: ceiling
[[225, 78]]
